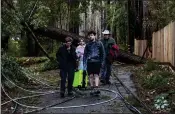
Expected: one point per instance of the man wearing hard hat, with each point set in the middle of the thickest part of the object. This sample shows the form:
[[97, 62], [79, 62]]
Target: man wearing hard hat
[[107, 41]]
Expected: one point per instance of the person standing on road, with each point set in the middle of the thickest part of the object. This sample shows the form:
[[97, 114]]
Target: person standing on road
[[66, 56], [80, 78], [93, 60], [80, 53], [108, 42]]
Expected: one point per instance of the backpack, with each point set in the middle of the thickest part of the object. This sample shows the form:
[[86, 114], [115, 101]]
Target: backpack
[[113, 53]]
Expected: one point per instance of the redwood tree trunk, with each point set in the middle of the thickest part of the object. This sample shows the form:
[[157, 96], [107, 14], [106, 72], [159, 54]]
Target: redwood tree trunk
[[30, 45], [5, 40]]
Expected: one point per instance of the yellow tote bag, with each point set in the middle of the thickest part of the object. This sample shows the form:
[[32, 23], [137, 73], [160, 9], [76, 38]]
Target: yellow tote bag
[[78, 79]]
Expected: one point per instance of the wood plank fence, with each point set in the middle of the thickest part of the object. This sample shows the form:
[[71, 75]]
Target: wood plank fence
[[140, 47], [163, 44]]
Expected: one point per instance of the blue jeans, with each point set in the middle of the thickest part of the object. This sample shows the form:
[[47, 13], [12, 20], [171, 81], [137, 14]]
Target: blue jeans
[[106, 71]]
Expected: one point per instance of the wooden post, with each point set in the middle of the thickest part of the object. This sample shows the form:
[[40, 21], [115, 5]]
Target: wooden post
[[173, 37], [162, 45], [128, 10]]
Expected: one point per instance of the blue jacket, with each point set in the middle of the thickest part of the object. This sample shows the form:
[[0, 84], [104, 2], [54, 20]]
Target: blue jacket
[[93, 52]]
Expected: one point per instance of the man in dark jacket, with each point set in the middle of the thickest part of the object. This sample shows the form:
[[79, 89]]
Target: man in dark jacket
[[107, 43], [66, 56]]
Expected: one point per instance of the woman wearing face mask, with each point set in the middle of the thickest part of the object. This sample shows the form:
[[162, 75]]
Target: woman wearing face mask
[[93, 60]]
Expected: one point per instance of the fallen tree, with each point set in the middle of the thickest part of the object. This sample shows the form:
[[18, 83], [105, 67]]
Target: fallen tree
[[129, 58], [60, 34], [57, 34]]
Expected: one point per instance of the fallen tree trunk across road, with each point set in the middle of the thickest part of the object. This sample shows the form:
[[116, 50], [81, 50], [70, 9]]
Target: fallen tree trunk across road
[[57, 34], [60, 34]]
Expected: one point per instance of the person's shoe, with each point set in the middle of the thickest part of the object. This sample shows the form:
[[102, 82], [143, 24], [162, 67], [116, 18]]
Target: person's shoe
[[79, 87], [97, 92], [103, 81], [70, 93], [91, 93], [62, 95], [108, 82]]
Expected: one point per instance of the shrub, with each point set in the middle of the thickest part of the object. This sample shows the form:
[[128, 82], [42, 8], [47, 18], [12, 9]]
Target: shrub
[[166, 74], [50, 65], [150, 65], [155, 81], [30, 60], [11, 69]]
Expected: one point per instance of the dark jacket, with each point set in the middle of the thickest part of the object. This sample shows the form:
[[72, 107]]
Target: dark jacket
[[93, 52], [66, 58], [107, 43]]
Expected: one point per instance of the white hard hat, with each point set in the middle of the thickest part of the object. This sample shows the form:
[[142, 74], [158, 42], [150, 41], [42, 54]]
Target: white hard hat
[[106, 32]]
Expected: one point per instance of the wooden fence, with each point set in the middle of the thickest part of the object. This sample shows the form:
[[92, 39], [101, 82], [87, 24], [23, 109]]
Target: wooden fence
[[163, 44], [140, 47]]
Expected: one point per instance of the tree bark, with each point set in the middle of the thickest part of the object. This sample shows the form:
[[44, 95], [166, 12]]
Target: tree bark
[[5, 40], [30, 45], [57, 34]]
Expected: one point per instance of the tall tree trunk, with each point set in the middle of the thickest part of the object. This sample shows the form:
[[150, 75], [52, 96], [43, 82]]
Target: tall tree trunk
[[60, 17], [73, 26], [108, 25], [113, 27], [85, 19], [115, 33], [129, 34], [37, 49], [102, 17], [105, 18], [131, 25], [36, 40], [5, 40], [30, 45]]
